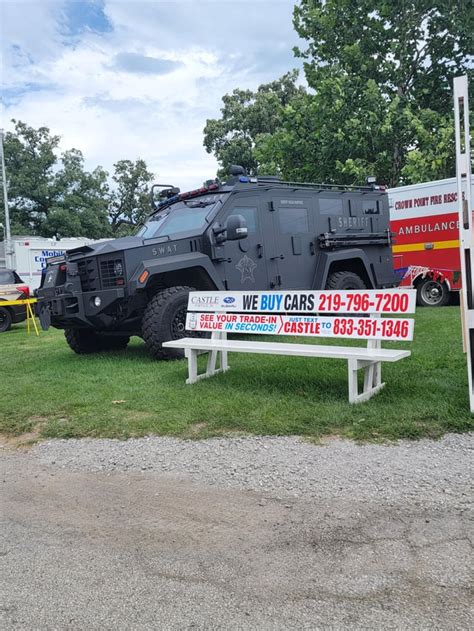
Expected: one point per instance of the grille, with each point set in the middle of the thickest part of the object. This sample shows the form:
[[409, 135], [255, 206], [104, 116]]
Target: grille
[[87, 269], [112, 273]]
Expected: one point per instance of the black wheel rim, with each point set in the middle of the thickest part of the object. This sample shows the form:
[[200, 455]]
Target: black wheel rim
[[178, 325]]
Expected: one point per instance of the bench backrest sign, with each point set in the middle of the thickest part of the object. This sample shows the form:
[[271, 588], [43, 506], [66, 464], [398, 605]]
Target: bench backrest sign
[[303, 313]]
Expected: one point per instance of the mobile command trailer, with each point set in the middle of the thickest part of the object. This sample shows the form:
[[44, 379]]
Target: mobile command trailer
[[30, 254], [424, 220], [249, 233]]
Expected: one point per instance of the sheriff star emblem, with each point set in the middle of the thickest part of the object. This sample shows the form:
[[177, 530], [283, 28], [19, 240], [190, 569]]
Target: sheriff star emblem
[[246, 266]]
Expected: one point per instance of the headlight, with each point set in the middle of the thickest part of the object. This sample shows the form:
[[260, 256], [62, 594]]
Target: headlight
[[97, 301]]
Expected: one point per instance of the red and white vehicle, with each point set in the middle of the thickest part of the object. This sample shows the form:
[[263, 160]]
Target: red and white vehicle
[[424, 219]]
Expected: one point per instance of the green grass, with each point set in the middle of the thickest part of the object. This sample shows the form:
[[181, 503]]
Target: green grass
[[48, 391]]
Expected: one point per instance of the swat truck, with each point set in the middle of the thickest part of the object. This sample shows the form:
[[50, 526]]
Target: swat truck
[[248, 233]]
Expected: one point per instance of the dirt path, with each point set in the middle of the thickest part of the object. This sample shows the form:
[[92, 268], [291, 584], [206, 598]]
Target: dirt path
[[151, 550]]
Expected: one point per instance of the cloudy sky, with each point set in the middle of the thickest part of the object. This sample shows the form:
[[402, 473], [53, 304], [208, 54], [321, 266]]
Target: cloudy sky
[[133, 78]]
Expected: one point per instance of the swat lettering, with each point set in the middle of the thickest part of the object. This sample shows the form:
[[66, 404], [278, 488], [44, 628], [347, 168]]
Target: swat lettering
[[164, 249]]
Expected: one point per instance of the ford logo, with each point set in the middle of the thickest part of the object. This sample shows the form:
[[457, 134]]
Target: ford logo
[[229, 300]]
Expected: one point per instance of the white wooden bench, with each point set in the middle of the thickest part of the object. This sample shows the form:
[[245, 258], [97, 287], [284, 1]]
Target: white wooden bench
[[354, 314]]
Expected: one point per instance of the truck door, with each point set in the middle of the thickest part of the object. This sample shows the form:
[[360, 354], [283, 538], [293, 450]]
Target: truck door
[[292, 249], [245, 263]]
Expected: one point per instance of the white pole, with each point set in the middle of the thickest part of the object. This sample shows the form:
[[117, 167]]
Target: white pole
[[466, 221], [8, 236]]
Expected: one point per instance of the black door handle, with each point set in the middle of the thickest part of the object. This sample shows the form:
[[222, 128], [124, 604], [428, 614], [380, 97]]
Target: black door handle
[[280, 256], [259, 250]]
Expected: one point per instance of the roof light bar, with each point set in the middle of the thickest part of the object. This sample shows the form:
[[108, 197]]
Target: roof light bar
[[209, 185]]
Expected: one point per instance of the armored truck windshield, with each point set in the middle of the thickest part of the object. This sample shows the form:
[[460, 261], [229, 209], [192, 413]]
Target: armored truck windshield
[[186, 216]]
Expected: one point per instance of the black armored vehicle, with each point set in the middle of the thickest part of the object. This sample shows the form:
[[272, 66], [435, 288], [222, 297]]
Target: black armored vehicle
[[252, 233]]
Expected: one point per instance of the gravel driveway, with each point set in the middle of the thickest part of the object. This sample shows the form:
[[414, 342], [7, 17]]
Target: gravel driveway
[[245, 533]]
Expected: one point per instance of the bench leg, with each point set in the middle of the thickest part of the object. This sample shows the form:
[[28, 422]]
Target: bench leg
[[211, 367], [211, 363], [191, 355], [224, 363], [372, 379]]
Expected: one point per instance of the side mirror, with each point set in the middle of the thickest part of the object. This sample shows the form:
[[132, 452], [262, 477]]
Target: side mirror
[[236, 228]]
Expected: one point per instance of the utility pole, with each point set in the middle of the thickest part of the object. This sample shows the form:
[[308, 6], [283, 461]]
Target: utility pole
[[8, 236]]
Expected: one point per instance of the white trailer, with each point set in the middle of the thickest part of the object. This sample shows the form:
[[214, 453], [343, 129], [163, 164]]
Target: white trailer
[[30, 254]]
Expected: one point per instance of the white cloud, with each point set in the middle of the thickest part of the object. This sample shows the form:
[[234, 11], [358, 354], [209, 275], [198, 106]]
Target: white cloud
[[110, 111]]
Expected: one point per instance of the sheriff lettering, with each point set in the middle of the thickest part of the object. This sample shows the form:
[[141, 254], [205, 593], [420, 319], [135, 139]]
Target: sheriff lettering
[[353, 222]]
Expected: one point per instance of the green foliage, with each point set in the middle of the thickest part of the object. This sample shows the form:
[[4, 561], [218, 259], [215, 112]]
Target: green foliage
[[411, 51], [80, 201], [130, 200], [379, 100], [411, 48], [51, 195], [246, 115], [29, 161], [317, 138], [434, 155]]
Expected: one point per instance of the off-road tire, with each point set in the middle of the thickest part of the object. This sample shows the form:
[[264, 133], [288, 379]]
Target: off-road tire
[[82, 341], [112, 342], [432, 293], [5, 320], [345, 280], [164, 319], [86, 341]]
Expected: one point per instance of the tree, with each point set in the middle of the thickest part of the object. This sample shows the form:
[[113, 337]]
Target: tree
[[319, 133], [129, 203], [29, 161], [51, 195], [246, 115], [411, 49], [379, 100], [80, 201]]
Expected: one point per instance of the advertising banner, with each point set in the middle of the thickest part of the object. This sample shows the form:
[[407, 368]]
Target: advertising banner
[[376, 301], [312, 326]]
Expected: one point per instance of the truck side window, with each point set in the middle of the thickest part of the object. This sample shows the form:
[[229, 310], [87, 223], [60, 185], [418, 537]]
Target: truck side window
[[293, 220], [370, 207], [249, 213], [330, 205]]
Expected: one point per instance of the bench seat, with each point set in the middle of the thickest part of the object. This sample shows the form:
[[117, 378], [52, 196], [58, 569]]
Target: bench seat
[[367, 358], [283, 348]]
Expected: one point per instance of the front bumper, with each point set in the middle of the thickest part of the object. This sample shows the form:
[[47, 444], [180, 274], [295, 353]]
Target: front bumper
[[64, 309]]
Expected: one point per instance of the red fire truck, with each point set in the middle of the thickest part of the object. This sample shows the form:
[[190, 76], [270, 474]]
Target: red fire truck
[[424, 219]]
